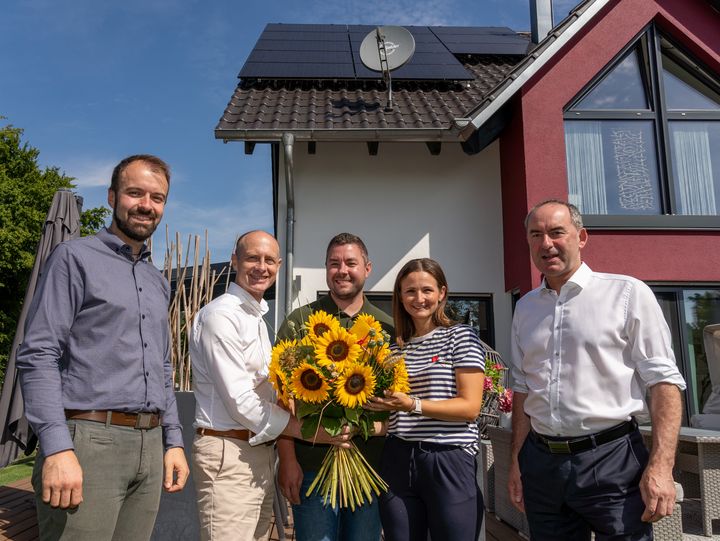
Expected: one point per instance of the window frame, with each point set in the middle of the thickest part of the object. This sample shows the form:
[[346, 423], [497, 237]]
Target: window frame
[[682, 357], [649, 44]]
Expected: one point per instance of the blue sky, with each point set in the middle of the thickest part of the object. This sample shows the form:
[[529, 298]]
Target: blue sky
[[91, 82]]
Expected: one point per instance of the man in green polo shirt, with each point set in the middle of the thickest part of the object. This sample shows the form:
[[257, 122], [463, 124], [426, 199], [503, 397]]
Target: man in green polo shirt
[[346, 268]]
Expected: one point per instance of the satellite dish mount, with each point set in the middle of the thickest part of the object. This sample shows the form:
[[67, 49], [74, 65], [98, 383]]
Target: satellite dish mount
[[386, 49]]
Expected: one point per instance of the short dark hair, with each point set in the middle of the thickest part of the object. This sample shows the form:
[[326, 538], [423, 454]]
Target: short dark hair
[[156, 166], [347, 238], [575, 216], [404, 326]]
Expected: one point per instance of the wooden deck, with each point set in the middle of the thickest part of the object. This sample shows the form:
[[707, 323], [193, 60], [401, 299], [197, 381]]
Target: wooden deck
[[17, 512]]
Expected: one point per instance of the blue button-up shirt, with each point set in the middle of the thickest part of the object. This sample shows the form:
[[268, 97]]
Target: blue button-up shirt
[[97, 338]]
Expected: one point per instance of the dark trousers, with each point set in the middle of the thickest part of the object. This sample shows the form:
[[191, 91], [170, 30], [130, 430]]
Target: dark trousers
[[122, 480], [568, 496], [432, 488]]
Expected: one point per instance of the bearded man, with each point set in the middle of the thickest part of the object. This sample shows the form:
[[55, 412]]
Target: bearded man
[[96, 376]]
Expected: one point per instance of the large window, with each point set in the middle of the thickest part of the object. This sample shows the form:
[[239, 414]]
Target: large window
[[643, 140], [688, 311]]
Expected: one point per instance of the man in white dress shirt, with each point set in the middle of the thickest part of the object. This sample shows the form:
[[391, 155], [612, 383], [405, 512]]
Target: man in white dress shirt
[[587, 348], [236, 417]]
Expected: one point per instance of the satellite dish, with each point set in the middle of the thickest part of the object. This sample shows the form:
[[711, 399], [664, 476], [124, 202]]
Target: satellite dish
[[386, 49]]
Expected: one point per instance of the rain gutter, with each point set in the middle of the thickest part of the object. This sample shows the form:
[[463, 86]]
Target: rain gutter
[[341, 134], [288, 140]]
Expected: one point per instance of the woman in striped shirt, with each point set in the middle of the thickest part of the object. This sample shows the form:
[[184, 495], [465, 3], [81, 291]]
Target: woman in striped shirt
[[429, 457]]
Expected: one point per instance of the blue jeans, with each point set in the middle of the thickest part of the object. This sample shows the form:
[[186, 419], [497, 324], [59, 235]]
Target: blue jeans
[[315, 521]]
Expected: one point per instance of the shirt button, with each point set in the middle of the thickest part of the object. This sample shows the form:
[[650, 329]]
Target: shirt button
[[147, 404], [147, 373], [145, 344], [139, 289], [557, 354], [143, 316]]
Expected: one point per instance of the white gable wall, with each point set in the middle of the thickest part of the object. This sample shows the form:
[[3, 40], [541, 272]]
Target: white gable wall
[[404, 203]]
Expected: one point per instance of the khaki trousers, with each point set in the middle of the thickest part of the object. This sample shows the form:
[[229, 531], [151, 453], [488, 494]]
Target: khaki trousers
[[235, 483]]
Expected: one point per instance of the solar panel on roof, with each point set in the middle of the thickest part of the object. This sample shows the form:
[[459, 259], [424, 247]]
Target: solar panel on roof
[[318, 51]]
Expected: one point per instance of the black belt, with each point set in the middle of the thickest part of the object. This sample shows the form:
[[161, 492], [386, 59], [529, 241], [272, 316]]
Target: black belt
[[577, 445]]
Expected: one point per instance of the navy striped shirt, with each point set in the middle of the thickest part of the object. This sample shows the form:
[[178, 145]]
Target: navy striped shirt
[[431, 361]]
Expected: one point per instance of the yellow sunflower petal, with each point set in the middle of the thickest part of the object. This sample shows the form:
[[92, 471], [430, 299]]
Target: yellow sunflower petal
[[365, 328], [309, 385], [319, 323], [400, 378], [354, 386], [337, 347]]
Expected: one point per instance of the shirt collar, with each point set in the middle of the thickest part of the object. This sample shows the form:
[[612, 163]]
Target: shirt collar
[[113, 242], [580, 278], [259, 308], [328, 304]]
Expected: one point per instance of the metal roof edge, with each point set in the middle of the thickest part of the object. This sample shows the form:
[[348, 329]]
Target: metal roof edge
[[444, 135], [536, 59]]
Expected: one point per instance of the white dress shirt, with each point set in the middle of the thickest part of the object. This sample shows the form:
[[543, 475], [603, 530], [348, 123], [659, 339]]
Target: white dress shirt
[[230, 352], [585, 357]]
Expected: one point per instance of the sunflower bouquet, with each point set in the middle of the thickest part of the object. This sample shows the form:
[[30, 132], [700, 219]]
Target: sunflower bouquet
[[329, 372]]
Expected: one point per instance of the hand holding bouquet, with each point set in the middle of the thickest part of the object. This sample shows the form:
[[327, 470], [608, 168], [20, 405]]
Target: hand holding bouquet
[[329, 372]]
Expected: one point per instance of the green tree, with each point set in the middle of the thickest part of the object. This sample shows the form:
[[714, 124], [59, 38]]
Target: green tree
[[26, 192]]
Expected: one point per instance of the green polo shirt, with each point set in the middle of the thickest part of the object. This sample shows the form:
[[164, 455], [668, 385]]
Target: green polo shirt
[[310, 456]]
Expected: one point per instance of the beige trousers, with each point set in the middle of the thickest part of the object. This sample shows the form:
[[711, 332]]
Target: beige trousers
[[235, 484]]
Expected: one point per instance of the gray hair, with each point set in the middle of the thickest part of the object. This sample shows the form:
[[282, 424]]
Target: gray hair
[[575, 216]]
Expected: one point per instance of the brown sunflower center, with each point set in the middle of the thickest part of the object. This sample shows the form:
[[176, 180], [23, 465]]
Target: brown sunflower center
[[320, 329], [338, 351], [310, 380], [355, 383]]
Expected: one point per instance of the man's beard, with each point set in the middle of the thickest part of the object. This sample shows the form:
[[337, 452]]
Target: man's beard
[[140, 234]]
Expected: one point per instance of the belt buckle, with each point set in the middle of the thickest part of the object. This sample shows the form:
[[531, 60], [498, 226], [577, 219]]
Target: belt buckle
[[559, 447], [144, 421]]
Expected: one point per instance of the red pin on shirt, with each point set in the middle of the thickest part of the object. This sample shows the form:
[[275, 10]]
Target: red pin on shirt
[[435, 358]]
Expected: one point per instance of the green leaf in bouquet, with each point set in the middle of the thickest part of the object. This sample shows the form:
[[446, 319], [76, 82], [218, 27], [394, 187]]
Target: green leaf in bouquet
[[352, 415], [309, 426], [333, 410], [303, 409], [379, 415], [332, 425]]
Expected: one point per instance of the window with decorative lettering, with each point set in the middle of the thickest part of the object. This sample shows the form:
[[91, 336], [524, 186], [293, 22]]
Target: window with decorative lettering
[[643, 139]]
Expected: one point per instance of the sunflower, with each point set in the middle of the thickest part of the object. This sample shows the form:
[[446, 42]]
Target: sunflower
[[382, 353], [365, 328], [308, 384], [319, 323], [400, 378], [284, 354], [354, 386], [278, 379], [337, 346]]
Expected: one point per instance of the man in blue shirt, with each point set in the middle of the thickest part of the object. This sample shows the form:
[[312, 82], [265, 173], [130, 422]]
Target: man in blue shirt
[[96, 375]]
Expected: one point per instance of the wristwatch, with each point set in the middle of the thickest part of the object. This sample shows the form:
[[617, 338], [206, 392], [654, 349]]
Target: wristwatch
[[417, 406]]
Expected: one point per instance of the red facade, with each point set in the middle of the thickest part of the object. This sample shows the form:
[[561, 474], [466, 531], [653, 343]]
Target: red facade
[[533, 147]]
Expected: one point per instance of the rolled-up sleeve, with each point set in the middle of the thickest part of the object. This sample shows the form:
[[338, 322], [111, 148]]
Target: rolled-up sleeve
[[649, 338], [49, 320], [223, 351]]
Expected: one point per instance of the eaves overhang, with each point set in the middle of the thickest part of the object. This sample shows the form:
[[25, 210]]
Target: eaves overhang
[[528, 67], [348, 135]]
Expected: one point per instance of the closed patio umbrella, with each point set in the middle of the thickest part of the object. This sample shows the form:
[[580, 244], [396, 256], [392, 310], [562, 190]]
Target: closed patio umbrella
[[62, 223]]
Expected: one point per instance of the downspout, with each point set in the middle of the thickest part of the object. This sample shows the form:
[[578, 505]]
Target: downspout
[[288, 139]]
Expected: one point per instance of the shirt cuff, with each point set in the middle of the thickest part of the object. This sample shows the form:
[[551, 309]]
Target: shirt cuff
[[172, 437], [54, 439], [277, 422], [661, 370]]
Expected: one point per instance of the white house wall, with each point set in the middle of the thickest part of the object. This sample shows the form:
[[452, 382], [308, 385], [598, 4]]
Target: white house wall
[[404, 203]]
